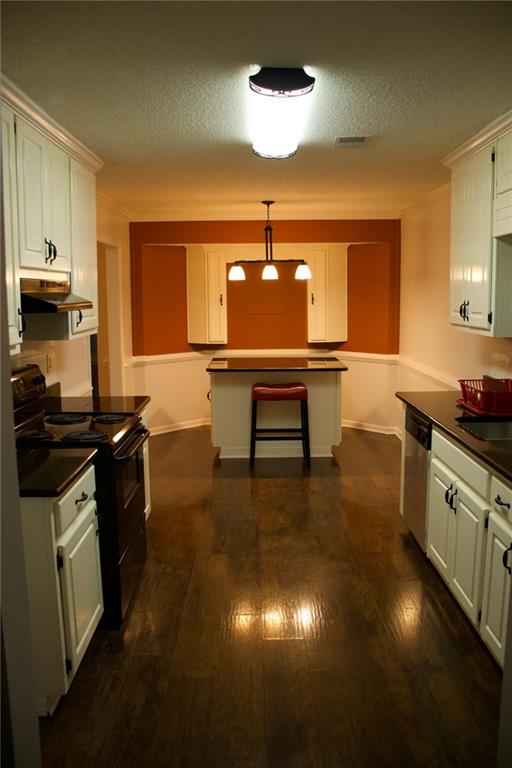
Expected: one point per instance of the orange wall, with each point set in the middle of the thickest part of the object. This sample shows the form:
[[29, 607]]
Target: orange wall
[[160, 296], [265, 315]]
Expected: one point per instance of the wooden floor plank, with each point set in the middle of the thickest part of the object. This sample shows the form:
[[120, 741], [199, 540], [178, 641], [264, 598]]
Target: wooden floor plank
[[285, 619]]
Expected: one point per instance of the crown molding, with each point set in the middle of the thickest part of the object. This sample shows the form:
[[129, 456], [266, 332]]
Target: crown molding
[[113, 205], [424, 201], [480, 140], [41, 121]]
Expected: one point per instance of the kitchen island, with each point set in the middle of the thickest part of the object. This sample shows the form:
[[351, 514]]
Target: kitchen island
[[231, 384]]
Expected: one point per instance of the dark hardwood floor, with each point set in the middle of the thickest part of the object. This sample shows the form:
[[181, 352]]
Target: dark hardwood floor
[[285, 618]]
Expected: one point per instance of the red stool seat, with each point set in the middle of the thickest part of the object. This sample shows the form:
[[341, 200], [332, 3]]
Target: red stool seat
[[295, 391]]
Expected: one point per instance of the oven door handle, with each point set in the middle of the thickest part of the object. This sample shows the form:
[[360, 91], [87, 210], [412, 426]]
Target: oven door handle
[[134, 446]]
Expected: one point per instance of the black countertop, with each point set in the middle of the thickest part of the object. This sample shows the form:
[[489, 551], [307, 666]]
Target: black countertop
[[442, 410], [49, 472], [261, 364], [90, 404]]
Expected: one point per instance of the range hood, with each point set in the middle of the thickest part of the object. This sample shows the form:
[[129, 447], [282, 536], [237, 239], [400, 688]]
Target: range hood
[[49, 296]]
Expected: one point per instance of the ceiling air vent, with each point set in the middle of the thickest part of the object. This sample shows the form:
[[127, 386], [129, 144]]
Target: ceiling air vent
[[350, 142]]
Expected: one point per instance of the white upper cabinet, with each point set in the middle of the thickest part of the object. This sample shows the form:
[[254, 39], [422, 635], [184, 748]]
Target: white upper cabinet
[[471, 241], [326, 290], [481, 210], [59, 207], [502, 224], [10, 228], [206, 295], [43, 201], [327, 293], [83, 247]]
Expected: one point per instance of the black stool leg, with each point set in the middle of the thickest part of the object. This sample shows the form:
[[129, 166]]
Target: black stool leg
[[253, 431], [305, 430]]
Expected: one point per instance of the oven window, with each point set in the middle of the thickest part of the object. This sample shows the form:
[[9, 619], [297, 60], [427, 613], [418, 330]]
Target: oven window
[[131, 478]]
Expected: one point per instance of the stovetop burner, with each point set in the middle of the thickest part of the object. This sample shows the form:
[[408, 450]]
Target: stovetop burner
[[36, 434], [87, 436], [110, 418], [66, 418]]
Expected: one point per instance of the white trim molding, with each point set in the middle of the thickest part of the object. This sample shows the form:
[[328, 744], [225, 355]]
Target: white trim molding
[[368, 387], [113, 205], [177, 426], [366, 427], [485, 137], [432, 374], [39, 119], [426, 200]]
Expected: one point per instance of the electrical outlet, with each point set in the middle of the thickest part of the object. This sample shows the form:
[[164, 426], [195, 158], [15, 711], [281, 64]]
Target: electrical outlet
[[49, 363]]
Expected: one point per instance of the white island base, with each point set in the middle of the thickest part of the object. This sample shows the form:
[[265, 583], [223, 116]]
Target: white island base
[[231, 412]]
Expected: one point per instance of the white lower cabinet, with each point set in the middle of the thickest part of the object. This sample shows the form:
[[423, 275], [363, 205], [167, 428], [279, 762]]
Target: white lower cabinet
[[470, 518], [469, 538], [441, 485], [64, 586], [496, 594], [457, 519]]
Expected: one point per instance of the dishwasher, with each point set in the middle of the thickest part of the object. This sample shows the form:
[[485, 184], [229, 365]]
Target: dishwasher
[[416, 462]]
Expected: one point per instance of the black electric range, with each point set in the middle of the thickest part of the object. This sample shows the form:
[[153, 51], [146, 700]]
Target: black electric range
[[118, 439]]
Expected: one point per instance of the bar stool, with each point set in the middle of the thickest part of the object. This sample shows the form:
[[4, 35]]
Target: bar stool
[[295, 391]]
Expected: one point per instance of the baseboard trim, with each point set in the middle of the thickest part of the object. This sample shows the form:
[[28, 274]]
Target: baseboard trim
[[366, 427], [177, 426]]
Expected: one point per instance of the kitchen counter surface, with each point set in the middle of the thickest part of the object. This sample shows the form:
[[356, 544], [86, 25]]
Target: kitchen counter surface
[[90, 404], [254, 364], [442, 410], [49, 472]]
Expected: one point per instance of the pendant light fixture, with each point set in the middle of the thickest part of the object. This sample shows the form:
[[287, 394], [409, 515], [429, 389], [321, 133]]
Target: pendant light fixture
[[269, 272], [280, 101]]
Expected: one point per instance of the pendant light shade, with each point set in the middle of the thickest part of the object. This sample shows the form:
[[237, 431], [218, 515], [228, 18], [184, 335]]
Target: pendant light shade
[[303, 272], [280, 102], [269, 272], [236, 272]]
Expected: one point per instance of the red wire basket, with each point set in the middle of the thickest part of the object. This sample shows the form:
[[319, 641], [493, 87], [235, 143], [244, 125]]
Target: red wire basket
[[487, 396]]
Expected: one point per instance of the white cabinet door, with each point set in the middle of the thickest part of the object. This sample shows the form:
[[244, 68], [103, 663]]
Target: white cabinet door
[[80, 577], [471, 240], [31, 173], [442, 484], [206, 295], [458, 247], [317, 295], [58, 217], [496, 593], [216, 297], [327, 293], [502, 224], [467, 553], [43, 201], [84, 256], [10, 226]]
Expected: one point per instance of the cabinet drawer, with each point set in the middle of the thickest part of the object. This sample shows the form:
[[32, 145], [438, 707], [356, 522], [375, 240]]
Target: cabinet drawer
[[501, 493], [474, 475], [73, 501]]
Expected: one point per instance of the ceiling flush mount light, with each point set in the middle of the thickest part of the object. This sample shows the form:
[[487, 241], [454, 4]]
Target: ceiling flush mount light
[[280, 100], [269, 272]]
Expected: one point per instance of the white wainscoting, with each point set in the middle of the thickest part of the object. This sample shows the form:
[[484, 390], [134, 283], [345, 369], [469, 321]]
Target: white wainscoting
[[178, 386]]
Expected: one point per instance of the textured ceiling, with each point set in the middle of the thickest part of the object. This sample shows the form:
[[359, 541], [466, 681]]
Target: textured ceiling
[[159, 91]]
